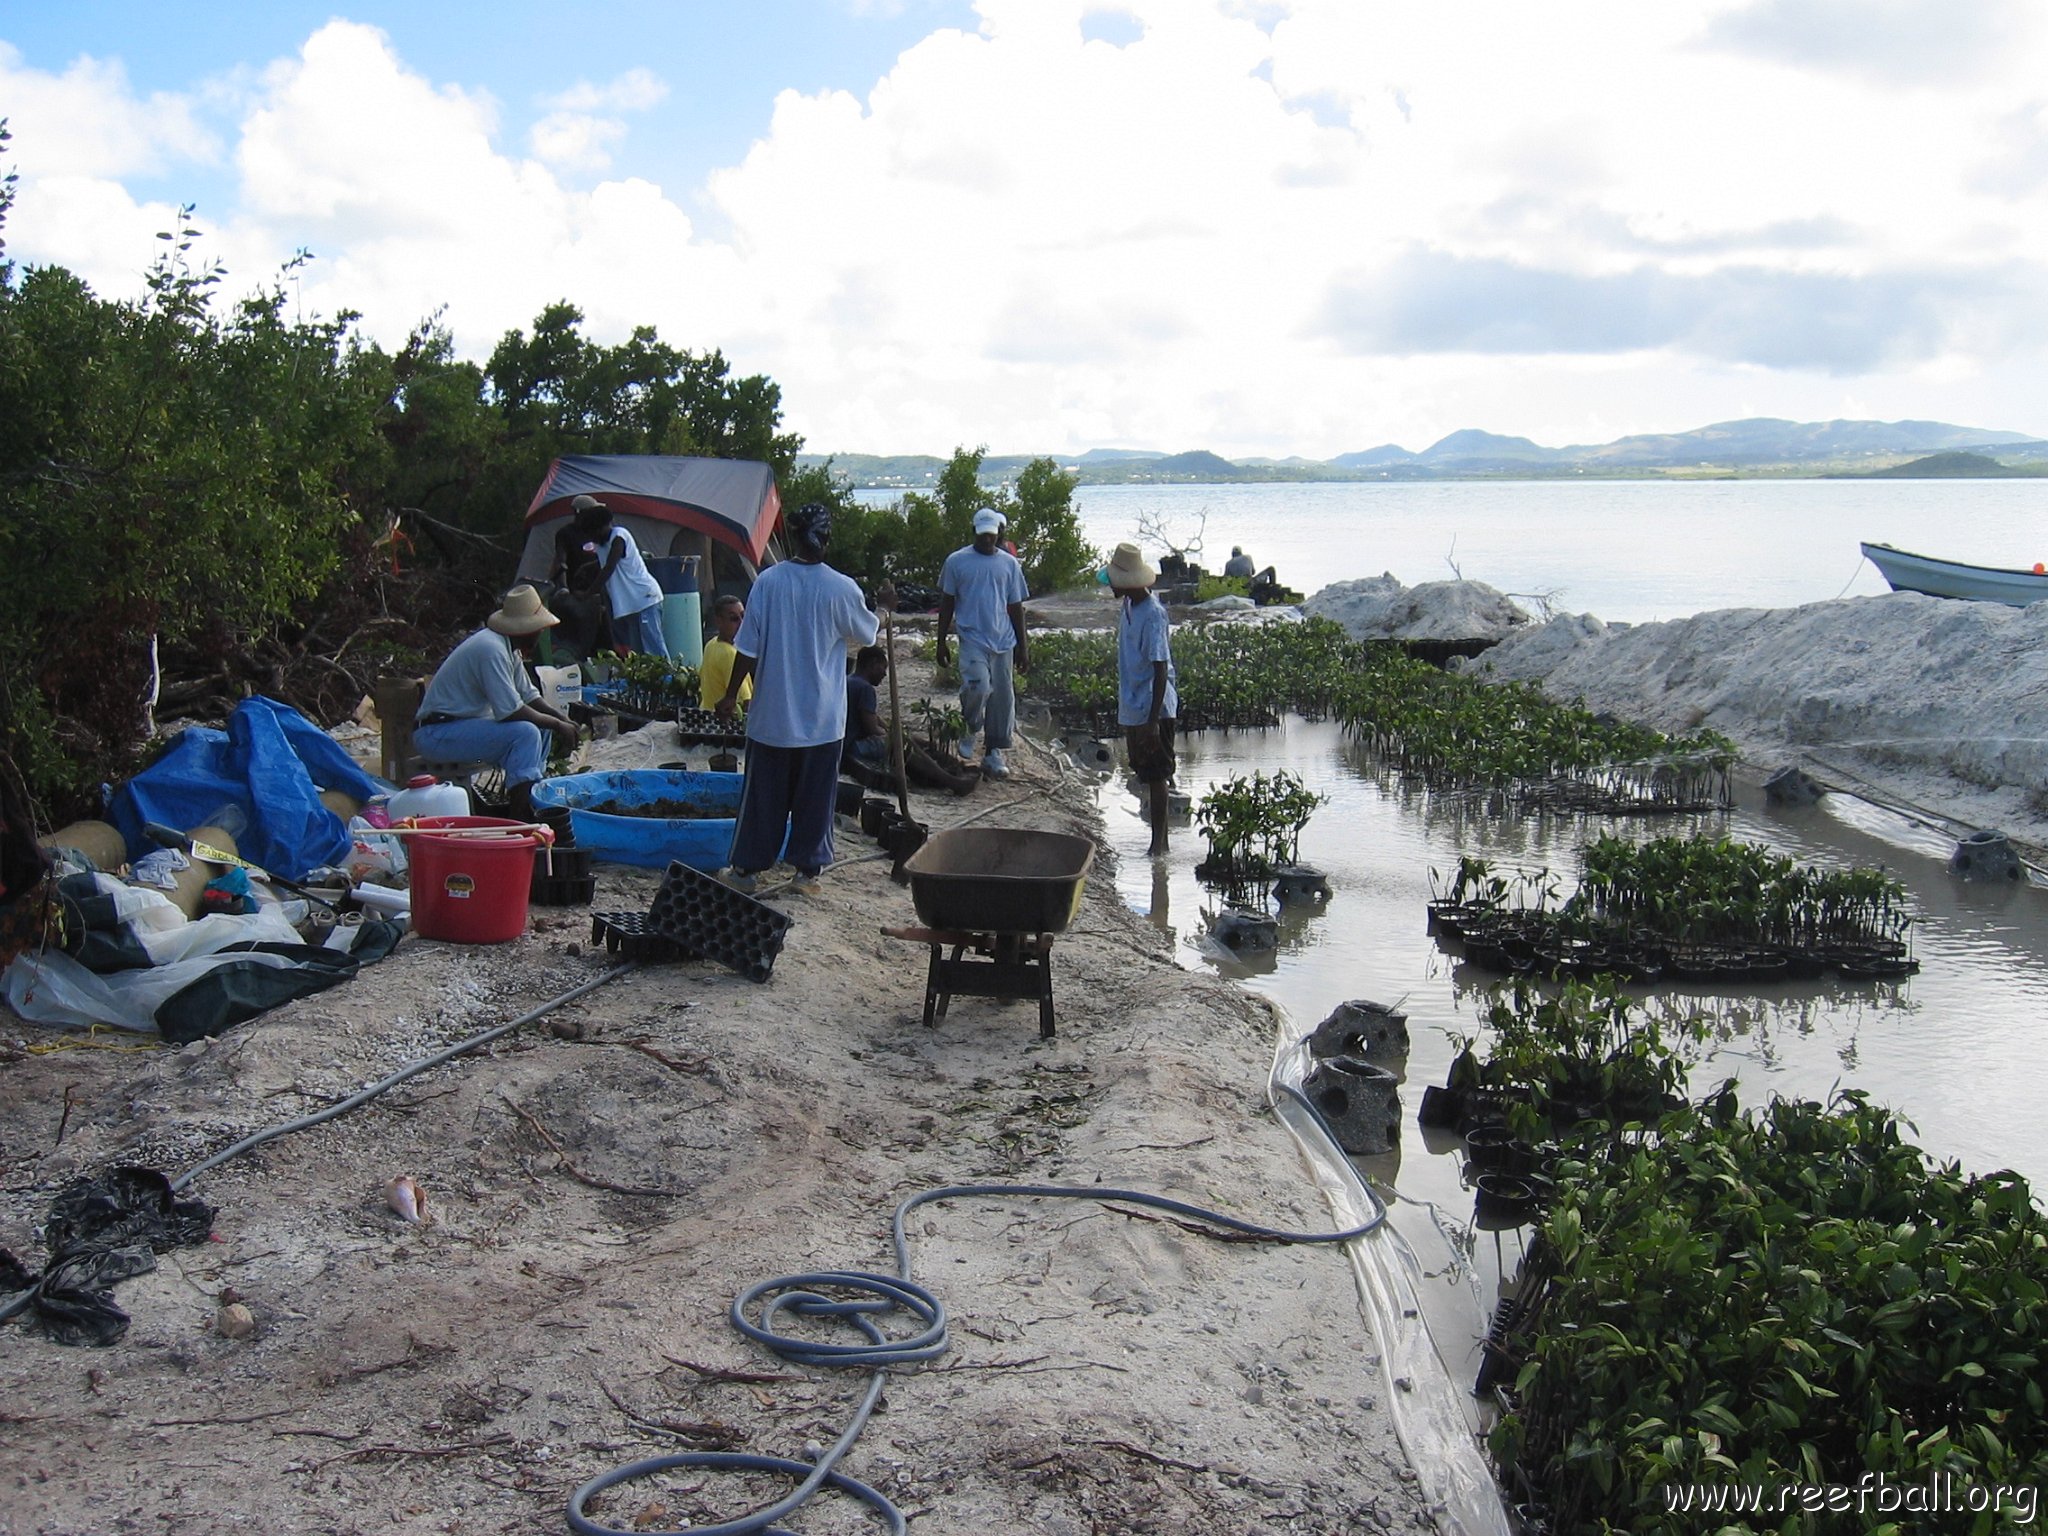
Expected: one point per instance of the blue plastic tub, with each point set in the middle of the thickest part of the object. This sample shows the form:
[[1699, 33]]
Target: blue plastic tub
[[648, 841]]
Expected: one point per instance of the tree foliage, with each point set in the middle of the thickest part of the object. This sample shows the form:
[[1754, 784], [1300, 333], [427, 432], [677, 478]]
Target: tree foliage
[[911, 539], [206, 483]]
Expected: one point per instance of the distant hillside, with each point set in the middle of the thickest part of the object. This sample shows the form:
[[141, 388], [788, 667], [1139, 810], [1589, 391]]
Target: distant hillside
[[1373, 458], [1952, 466], [1768, 440], [1755, 445]]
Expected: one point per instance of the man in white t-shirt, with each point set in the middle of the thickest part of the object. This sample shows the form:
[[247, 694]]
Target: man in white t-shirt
[[634, 593], [982, 592], [801, 617]]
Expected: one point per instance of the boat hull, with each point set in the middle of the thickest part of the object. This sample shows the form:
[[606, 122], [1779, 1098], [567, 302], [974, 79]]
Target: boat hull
[[1951, 578]]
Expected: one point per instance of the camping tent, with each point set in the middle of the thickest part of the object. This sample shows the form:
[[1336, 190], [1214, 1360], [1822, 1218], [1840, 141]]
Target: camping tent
[[722, 510]]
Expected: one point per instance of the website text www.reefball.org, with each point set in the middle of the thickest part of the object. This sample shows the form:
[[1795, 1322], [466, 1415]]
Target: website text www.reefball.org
[[1874, 1493]]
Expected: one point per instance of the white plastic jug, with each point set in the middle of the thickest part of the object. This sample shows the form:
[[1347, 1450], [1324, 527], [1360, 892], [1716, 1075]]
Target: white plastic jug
[[425, 795]]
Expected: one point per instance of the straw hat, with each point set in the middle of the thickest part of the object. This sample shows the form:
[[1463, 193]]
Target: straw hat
[[1127, 568], [522, 613]]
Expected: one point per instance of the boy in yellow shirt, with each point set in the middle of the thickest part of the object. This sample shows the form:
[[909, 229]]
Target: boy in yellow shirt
[[716, 672]]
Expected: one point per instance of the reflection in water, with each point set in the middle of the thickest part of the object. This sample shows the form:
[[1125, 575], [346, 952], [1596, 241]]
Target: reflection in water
[[1951, 1049]]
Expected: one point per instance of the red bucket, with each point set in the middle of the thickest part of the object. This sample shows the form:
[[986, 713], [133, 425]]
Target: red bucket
[[471, 889]]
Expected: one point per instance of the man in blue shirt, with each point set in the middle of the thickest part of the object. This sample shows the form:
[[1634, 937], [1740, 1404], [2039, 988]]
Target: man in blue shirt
[[1145, 700], [981, 588], [800, 618], [482, 706]]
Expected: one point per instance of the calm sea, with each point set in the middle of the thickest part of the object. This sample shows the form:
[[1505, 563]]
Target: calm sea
[[1629, 550]]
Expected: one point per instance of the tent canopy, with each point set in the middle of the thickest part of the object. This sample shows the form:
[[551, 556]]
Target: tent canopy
[[732, 501]]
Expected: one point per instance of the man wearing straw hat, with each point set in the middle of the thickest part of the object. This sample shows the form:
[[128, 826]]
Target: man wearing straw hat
[[1145, 700], [481, 705]]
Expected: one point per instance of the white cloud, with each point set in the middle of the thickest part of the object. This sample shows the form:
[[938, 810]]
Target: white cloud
[[575, 141], [1289, 226], [634, 91], [585, 122], [86, 122]]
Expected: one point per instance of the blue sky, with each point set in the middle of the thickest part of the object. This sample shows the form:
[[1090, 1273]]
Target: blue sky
[[1255, 226], [725, 60]]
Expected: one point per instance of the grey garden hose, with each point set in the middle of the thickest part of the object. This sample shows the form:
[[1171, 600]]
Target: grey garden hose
[[356, 1100], [804, 1295], [410, 1069]]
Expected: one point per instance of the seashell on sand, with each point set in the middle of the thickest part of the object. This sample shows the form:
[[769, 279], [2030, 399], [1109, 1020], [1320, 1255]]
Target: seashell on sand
[[408, 1197]]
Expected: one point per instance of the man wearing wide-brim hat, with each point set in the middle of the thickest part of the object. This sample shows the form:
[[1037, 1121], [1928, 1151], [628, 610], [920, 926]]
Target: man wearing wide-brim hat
[[1145, 701], [481, 705]]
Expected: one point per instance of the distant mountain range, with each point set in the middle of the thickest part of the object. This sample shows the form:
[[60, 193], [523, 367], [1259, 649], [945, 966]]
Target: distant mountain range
[[1758, 445]]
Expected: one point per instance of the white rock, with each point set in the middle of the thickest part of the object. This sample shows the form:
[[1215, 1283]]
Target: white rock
[[1380, 608]]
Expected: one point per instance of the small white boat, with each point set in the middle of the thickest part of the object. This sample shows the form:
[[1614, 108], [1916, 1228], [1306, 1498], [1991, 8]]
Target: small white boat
[[1951, 578]]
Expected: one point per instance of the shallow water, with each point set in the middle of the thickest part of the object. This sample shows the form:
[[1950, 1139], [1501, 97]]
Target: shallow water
[[1950, 1049]]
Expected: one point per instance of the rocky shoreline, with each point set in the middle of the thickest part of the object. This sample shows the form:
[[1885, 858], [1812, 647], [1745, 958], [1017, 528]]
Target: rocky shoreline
[[1937, 708]]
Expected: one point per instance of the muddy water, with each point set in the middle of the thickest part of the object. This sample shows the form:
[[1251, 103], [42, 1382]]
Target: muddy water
[[1954, 1049]]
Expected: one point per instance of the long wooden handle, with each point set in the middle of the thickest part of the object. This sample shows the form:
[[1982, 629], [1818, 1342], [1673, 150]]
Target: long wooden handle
[[896, 721]]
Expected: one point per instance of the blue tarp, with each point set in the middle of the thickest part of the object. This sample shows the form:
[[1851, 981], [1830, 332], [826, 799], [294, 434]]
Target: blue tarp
[[270, 765]]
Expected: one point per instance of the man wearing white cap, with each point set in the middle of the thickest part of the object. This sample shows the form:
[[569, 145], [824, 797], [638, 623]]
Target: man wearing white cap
[[482, 707], [981, 589]]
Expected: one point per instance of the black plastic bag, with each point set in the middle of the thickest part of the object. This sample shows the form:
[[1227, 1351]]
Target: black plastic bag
[[102, 1230]]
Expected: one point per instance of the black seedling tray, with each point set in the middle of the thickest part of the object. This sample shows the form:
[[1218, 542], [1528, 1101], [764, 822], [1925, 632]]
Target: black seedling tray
[[703, 726], [696, 912], [629, 936]]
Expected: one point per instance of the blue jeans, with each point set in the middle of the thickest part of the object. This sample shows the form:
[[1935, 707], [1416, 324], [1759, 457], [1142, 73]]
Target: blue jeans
[[642, 631], [514, 745], [986, 690]]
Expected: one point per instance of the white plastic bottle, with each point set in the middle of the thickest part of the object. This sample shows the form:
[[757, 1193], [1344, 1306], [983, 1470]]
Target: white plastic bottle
[[425, 795]]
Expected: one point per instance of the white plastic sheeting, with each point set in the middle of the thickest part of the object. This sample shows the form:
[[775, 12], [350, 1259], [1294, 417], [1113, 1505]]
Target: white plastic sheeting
[[52, 988], [1429, 1419]]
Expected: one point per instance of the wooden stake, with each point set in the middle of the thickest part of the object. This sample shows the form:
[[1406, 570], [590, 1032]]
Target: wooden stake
[[896, 718]]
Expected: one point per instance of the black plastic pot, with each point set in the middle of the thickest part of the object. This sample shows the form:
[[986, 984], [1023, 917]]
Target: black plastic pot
[[1503, 1200], [1440, 1107], [1493, 1147], [875, 814]]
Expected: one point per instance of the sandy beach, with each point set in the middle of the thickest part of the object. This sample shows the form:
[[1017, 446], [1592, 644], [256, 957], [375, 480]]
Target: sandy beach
[[1110, 1372]]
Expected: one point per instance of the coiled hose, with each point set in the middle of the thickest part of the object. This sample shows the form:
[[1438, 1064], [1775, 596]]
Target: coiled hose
[[874, 1295]]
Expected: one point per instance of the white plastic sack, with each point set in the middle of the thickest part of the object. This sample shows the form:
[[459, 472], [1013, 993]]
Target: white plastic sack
[[373, 855], [53, 988], [560, 686]]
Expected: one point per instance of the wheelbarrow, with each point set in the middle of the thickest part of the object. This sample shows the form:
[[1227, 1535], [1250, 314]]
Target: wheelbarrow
[[1002, 893]]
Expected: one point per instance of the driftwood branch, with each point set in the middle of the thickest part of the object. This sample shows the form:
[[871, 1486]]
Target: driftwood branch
[[568, 1166]]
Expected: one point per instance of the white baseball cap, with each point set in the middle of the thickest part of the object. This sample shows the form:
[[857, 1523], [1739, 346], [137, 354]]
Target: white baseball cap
[[988, 520]]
